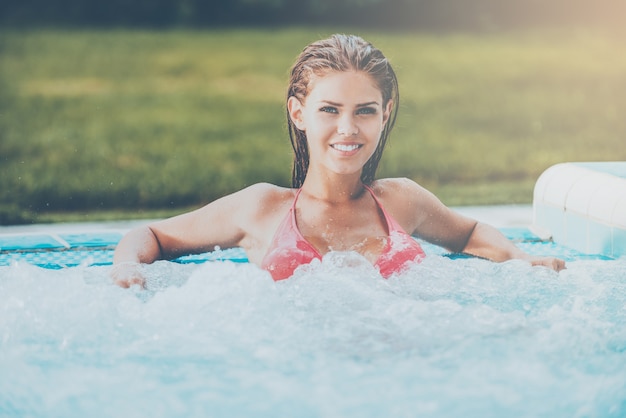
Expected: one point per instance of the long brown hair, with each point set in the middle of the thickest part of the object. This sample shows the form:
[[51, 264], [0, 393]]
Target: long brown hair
[[340, 53]]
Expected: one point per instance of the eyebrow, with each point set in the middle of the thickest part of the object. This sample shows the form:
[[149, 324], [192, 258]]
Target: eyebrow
[[358, 105]]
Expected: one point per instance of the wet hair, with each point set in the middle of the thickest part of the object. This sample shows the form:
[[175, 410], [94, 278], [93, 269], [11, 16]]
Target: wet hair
[[340, 53]]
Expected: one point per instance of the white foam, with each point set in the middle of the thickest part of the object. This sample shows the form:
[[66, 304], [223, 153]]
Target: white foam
[[447, 338]]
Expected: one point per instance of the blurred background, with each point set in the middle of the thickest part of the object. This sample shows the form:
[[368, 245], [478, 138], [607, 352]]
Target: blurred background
[[134, 109], [382, 14]]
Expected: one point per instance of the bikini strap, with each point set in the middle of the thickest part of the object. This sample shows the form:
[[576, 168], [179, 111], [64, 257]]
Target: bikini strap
[[369, 189], [392, 225], [295, 199]]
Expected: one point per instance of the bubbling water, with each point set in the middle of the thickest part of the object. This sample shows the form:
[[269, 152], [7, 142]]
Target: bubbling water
[[445, 338]]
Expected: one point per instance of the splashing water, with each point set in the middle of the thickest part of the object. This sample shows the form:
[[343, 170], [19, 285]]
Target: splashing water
[[446, 338]]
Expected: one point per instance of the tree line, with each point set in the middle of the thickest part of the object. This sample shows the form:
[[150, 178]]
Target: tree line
[[379, 14]]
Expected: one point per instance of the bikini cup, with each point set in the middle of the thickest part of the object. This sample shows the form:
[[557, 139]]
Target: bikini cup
[[289, 249]]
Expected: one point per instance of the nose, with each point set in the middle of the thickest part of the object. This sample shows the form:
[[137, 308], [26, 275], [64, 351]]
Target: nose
[[347, 126]]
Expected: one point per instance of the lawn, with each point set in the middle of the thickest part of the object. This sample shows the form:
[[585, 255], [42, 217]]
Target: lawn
[[99, 124]]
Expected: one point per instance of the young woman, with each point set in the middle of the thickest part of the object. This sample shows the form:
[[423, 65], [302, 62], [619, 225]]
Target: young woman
[[341, 105]]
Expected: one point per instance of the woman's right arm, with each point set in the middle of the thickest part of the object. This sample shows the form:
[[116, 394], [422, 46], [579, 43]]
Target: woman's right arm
[[224, 223], [138, 246]]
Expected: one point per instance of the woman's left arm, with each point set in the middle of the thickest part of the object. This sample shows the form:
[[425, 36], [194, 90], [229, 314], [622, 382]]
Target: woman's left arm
[[486, 241], [428, 218]]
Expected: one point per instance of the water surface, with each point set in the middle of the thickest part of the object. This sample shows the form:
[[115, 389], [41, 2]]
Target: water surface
[[463, 337]]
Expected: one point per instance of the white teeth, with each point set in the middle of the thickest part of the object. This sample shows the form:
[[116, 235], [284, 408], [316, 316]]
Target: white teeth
[[345, 148]]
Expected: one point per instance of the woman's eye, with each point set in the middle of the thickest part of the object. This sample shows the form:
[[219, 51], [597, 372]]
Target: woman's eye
[[328, 109], [366, 111]]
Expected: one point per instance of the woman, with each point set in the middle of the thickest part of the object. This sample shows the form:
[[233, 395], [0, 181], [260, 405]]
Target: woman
[[341, 105]]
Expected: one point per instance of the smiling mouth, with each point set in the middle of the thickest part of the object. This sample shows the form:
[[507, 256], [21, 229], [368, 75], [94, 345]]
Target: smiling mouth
[[346, 148]]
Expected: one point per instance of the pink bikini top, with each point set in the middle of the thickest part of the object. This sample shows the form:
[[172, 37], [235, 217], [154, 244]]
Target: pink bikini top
[[289, 249]]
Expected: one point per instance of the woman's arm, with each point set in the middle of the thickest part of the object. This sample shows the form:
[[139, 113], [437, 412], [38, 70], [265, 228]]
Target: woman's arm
[[486, 241], [140, 245], [224, 223], [170, 238], [429, 219]]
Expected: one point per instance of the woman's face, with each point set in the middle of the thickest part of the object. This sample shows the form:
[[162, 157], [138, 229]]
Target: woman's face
[[343, 117]]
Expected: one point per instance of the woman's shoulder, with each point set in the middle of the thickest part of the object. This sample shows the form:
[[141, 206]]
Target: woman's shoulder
[[260, 210], [397, 188], [263, 199], [267, 192], [406, 201]]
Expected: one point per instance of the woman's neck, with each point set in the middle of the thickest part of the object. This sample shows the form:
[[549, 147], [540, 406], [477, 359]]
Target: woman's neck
[[337, 189]]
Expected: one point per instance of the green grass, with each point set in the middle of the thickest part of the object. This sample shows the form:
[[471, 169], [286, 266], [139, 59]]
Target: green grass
[[118, 123]]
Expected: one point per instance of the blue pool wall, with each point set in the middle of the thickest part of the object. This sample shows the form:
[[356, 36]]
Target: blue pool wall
[[582, 205], [95, 248]]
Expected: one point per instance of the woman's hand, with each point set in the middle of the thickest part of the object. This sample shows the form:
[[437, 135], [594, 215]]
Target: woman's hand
[[553, 263], [127, 274]]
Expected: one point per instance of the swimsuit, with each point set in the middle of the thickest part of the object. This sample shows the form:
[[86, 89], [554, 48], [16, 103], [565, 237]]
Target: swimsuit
[[289, 249]]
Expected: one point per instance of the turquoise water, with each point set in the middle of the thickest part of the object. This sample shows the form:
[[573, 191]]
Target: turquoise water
[[449, 337]]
